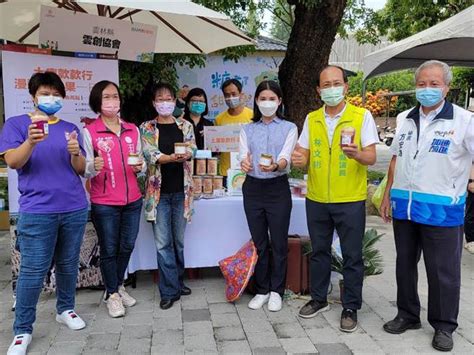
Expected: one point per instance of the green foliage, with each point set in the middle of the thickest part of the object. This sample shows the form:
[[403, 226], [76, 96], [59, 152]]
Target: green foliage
[[297, 173], [357, 15], [134, 76], [4, 190], [461, 80], [399, 81], [402, 18], [404, 81], [373, 262], [373, 175], [282, 19]]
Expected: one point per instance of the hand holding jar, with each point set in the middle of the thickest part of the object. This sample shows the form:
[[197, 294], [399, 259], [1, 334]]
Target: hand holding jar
[[266, 163], [38, 129]]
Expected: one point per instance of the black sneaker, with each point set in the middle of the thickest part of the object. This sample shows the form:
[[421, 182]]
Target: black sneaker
[[313, 308], [442, 340], [348, 320]]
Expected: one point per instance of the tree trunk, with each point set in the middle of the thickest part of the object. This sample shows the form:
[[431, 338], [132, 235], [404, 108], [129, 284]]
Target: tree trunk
[[308, 52]]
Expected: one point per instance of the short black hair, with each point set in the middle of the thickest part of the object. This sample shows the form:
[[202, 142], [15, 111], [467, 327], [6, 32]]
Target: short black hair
[[95, 97], [267, 85], [162, 86], [235, 82], [344, 73], [195, 92], [47, 78]]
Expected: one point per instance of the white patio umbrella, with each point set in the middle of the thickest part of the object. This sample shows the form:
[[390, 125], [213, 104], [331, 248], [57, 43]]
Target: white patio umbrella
[[183, 26], [451, 41]]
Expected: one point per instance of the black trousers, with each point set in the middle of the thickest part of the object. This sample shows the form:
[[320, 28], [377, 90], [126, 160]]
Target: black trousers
[[469, 218], [441, 247], [267, 204], [349, 221]]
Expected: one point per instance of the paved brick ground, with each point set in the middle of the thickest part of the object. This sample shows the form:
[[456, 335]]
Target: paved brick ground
[[205, 323]]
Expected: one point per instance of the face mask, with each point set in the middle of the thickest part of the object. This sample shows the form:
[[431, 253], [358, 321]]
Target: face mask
[[50, 104], [197, 108], [267, 108], [233, 102], [332, 96], [110, 108], [429, 96], [165, 108]]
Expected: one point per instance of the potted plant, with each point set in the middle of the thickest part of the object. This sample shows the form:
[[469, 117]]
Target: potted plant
[[373, 263]]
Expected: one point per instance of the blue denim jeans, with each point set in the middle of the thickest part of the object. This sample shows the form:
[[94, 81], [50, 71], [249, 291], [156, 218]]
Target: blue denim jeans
[[43, 238], [117, 230], [169, 239]]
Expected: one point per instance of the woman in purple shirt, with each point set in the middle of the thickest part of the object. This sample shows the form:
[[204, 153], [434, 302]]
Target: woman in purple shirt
[[48, 158]]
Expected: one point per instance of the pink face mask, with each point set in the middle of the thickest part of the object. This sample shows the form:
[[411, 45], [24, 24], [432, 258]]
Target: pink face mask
[[110, 108], [165, 108]]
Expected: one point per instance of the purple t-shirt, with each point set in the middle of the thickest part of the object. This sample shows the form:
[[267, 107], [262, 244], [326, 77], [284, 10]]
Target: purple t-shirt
[[47, 182]]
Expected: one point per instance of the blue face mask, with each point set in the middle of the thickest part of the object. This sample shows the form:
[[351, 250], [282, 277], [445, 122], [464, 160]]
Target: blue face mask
[[50, 104], [429, 97], [197, 108]]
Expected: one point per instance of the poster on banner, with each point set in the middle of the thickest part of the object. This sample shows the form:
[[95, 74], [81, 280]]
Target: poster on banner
[[219, 139], [79, 75], [250, 71], [96, 34]]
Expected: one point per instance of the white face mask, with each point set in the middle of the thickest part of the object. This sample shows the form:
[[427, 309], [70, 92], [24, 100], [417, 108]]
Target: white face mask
[[267, 108], [233, 102], [165, 108]]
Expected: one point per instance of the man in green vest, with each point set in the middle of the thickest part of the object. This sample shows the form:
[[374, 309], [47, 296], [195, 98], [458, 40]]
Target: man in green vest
[[336, 145]]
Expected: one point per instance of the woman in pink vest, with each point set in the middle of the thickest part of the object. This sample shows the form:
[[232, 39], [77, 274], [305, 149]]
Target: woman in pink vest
[[114, 158]]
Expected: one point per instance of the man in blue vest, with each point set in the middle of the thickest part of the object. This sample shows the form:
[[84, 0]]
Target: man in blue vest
[[432, 154]]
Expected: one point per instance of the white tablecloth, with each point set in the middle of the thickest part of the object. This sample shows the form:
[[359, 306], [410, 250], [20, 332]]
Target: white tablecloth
[[218, 229]]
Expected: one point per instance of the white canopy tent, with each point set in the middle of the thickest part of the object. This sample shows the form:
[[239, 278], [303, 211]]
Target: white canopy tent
[[183, 26], [451, 41]]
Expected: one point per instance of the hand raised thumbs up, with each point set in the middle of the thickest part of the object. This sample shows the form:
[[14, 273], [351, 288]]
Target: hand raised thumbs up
[[98, 162], [72, 143], [299, 158], [246, 164]]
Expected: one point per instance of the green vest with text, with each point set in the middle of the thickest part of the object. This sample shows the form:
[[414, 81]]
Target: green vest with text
[[332, 176]]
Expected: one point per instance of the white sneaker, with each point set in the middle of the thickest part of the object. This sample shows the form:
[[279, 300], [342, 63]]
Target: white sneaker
[[258, 301], [274, 303], [71, 320], [470, 247], [127, 300], [115, 305], [19, 344]]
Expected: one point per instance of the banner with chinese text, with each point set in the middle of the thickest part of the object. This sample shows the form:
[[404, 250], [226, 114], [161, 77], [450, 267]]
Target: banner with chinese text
[[250, 71], [222, 138], [78, 75], [97, 34]]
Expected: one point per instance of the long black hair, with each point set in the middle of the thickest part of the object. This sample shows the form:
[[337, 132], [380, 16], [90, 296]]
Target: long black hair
[[191, 93], [272, 86]]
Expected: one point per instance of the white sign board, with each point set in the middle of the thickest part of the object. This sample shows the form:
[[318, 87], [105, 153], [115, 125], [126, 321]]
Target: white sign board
[[220, 139], [79, 76], [97, 34]]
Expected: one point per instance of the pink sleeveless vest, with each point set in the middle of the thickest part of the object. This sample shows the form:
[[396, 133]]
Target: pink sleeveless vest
[[116, 184]]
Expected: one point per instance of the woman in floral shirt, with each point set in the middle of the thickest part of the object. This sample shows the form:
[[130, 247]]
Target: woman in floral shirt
[[169, 190]]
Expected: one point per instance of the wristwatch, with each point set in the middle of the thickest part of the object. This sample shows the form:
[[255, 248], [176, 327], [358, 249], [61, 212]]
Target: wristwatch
[[276, 167]]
